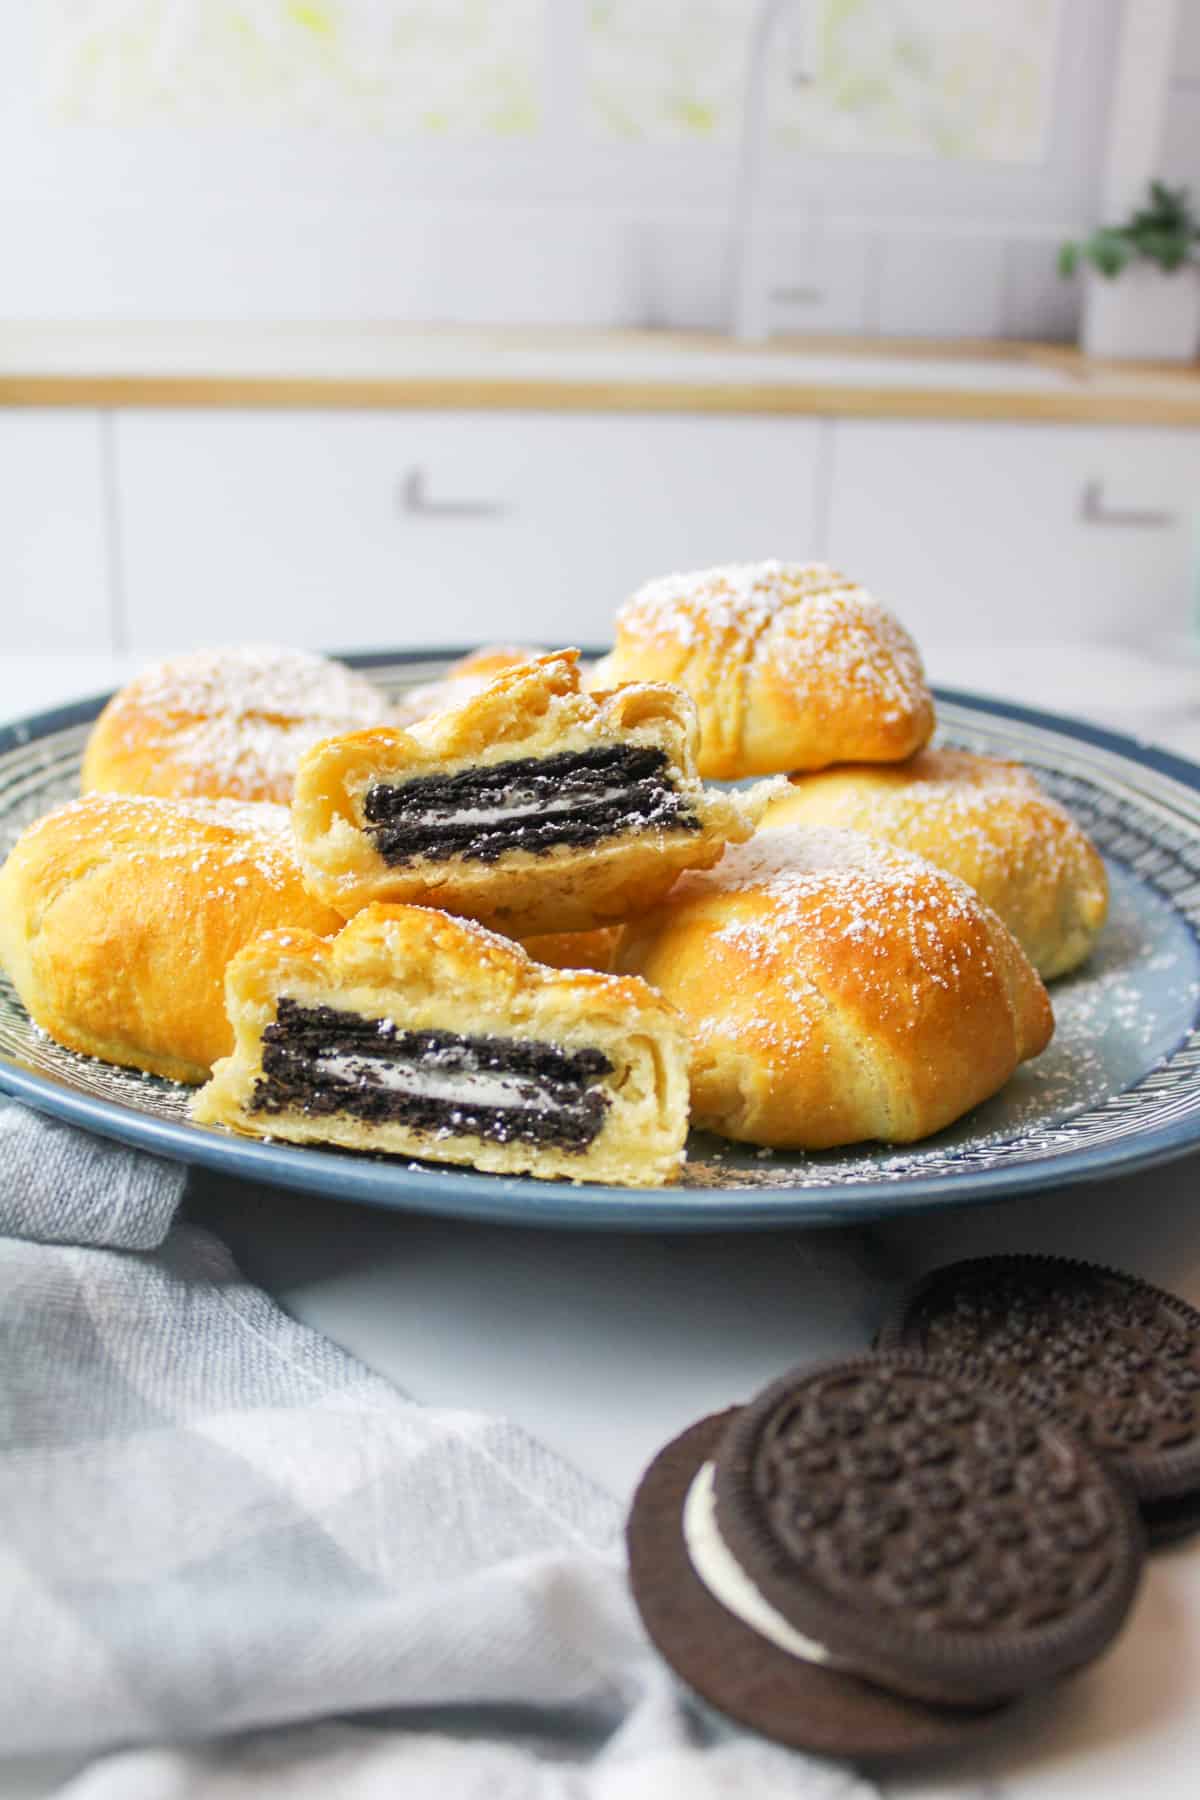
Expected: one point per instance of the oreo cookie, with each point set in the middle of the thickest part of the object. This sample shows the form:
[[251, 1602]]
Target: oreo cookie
[[875, 1556], [1114, 1357]]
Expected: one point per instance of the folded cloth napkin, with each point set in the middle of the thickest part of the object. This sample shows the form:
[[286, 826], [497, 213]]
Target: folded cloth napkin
[[62, 1186], [220, 1535]]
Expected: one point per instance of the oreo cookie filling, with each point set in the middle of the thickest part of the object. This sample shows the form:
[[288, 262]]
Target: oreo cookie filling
[[576, 798], [320, 1060]]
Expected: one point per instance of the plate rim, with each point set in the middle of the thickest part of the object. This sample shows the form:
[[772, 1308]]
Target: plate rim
[[526, 1201]]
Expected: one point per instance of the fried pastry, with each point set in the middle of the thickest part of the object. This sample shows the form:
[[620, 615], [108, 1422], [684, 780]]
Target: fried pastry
[[987, 821], [533, 807], [429, 1036], [576, 949], [118, 915], [464, 678], [836, 989], [791, 666], [230, 723]]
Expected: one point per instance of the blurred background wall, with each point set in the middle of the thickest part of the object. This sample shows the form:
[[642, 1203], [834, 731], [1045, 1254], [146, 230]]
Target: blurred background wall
[[553, 160], [254, 204]]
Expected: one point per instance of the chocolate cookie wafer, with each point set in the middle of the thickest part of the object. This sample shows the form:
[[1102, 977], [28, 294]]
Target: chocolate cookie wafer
[[874, 1555], [1116, 1358]]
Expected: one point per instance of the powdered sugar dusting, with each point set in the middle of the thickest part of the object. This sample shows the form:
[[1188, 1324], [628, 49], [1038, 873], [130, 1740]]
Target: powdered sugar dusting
[[833, 624], [237, 720], [837, 674], [793, 862], [981, 815], [1117, 1020], [263, 681], [226, 840], [844, 637], [733, 597], [822, 885]]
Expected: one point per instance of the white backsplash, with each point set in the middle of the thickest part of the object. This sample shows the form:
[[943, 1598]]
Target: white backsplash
[[176, 201]]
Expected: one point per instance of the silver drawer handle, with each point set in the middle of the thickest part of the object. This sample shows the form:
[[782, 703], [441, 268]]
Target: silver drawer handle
[[1093, 511], [799, 296], [414, 502]]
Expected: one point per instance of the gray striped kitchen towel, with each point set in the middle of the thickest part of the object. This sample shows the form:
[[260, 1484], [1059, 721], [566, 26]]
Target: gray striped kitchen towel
[[235, 1562]]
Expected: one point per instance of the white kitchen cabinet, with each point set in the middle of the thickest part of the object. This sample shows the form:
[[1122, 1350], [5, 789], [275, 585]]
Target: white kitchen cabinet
[[351, 529], [54, 552], [1020, 534]]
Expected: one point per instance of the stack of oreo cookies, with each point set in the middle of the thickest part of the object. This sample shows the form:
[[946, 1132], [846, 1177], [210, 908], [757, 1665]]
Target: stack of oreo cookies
[[878, 1556], [1116, 1358]]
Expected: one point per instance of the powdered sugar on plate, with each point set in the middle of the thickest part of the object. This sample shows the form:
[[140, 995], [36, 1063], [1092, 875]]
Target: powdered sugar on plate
[[1117, 1020], [1121, 1076]]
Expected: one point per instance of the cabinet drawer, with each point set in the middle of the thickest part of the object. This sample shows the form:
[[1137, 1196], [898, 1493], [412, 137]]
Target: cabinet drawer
[[1020, 534], [426, 528], [53, 549]]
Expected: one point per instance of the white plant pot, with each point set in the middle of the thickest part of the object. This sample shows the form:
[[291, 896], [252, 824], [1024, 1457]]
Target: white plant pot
[[1142, 312]]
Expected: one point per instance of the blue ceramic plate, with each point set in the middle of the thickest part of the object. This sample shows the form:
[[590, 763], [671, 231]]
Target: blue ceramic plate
[[1118, 1089]]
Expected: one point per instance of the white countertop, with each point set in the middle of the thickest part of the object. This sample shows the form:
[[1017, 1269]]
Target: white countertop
[[334, 352], [561, 1329], [606, 1344]]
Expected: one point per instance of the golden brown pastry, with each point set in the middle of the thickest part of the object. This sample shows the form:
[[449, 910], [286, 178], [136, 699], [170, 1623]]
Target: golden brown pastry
[[836, 989], [791, 666], [576, 949], [426, 1035], [232, 722], [533, 806], [986, 821], [464, 678], [118, 915]]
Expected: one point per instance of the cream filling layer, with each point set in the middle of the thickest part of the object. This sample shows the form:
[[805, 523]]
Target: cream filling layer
[[465, 1086], [727, 1581], [522, 804]]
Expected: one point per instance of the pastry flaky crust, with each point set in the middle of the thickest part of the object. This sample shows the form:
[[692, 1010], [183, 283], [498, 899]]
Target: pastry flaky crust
[[425, 971], [463, 679], [838, 990], [986, 821], [791, 666], [229, 723], [118, 916], [536, 709]]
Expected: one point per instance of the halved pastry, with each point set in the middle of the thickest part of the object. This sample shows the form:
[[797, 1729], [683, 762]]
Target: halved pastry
[[836, 989], [987, 821], [533, 807], [791, 666], [119, 913], [426, 1035], [230, 723]]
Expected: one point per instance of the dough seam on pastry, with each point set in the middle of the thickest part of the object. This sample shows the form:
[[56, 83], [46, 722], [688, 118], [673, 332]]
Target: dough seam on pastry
[[821, 671], [837, 990]]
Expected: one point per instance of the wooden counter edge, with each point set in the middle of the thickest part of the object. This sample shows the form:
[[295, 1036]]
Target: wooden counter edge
[[1125, 404]]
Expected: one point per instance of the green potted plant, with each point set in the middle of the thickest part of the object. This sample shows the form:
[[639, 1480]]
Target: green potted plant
[[1142, 295]]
